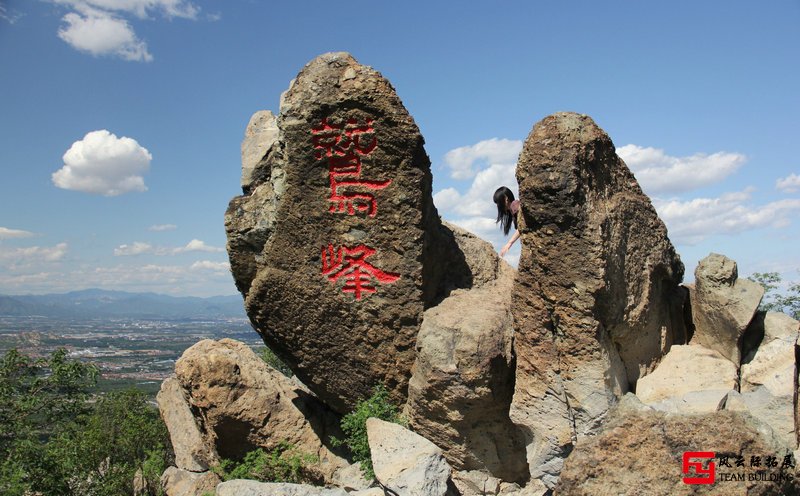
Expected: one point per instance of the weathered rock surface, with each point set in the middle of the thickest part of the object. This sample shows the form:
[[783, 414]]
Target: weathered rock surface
[[336, 245], [259, 136], [689, 379], [769, 376], [640, 452], [243, 404], [463, 380], [242, 487], [406, 462], [597, 300], [192, 452], [722, 305], [477, 483], [179, 482]]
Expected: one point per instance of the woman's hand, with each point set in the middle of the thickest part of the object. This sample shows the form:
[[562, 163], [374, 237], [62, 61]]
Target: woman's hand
[[510, 243]]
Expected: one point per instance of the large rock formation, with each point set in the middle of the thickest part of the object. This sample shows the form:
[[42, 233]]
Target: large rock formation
[[597, 300], [723, 305], [336, 244], [461, 388], [640, 451], [242, 404]]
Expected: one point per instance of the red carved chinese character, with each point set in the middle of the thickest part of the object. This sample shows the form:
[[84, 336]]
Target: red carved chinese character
[[351, 264], [343, 146]]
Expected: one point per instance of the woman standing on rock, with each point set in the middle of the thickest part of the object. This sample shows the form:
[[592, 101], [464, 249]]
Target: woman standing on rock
[[507, 210]]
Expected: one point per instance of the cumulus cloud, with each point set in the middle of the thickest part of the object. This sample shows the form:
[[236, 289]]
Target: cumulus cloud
[[101, 163], [99, 27], [658, 172], [197, 245], [461, 161], [788, 184], [6, 233], [162, 227], [100, 33], [9, 16], [136, 248], [209, 265], [33, 254], [691, 221]]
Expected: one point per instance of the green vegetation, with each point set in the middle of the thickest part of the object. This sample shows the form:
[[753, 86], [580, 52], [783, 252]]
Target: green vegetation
[[56, 440], [788, 303], [276, 363], [282, 464], [354, 426]]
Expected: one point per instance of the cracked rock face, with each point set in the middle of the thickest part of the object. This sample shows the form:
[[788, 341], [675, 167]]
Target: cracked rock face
[[336, 245], [597, 301]]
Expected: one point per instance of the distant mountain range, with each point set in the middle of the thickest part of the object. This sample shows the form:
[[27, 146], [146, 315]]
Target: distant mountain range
[[98, 303]]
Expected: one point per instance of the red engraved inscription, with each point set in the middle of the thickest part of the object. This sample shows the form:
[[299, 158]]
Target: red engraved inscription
[[351, 264], [343, 145]]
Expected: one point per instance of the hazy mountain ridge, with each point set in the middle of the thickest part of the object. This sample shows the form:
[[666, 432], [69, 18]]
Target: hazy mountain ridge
[[98, 303]]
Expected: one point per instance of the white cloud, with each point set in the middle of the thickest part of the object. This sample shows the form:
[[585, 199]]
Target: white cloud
[[690, 222], [139, 8], [162, 227], [788, 184], [6, 233], [197, 245], [209, 265], [101, 33], [33, 254], [11, 17], [658, 172], [136, 248], [461, 161], [99, 27], [103, 164]]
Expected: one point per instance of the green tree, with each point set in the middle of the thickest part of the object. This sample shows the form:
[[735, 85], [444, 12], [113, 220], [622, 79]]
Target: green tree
[[37, 397], [276, 363], [56, 440], [354, 426], [776, 302]]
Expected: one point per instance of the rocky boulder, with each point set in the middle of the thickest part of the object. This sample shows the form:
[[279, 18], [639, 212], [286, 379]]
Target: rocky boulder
[[690, 379], [463, 380], [192, 452], [405, 462], [597, 299], [722, 305], [336, 244], [242, 404], [179, 482], [642, 450], [769, 375]]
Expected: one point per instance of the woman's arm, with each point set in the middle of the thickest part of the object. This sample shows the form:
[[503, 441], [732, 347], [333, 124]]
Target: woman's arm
[[510, 243]]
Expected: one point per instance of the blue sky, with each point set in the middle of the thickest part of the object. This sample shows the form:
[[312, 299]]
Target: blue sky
[[146, 102]]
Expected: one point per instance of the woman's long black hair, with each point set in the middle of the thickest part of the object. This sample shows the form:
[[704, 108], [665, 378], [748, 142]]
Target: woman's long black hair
[[504, 215]]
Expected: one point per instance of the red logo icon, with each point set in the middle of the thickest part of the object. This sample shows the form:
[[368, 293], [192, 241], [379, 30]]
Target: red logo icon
[[701, 475]]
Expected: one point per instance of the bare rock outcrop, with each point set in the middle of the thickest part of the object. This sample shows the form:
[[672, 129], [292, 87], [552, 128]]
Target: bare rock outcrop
[[336, 244], [405, 462], [640, 451], [192, 452], [597, 300], [180, 482], [462, 383], [689, 379], [240, 404], [722, 305]]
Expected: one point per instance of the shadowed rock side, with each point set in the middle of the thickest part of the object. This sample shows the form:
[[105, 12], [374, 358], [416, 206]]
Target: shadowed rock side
[[597, 300], [463, 378], [336, 244]]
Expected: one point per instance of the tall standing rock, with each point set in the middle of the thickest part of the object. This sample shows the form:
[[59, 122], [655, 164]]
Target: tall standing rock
[[336, 244], [597, 300]]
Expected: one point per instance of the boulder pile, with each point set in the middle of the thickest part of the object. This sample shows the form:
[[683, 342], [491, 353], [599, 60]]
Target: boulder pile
[[590, 369]]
